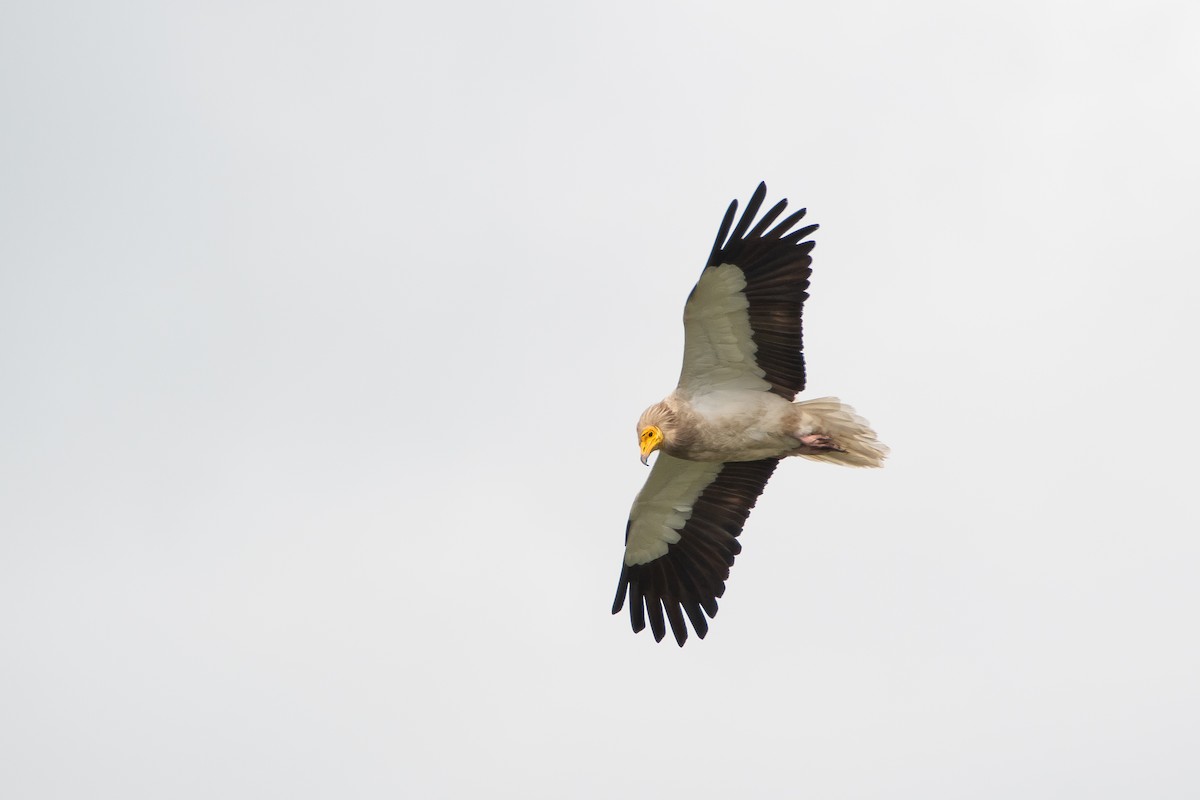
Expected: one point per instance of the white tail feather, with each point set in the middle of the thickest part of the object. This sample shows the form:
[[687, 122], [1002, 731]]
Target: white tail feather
[[850, 432]]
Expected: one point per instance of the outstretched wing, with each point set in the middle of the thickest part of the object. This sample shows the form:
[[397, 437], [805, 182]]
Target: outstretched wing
[[742, 320], [682, 538]]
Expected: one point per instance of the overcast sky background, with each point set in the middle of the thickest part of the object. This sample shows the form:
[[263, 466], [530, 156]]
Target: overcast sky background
[[324, 328]]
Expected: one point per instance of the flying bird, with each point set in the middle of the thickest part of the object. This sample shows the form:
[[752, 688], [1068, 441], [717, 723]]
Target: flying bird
[[731, 418]]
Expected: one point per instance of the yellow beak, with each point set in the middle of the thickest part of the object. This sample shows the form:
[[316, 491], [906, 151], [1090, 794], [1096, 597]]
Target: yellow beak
[[649, 439]]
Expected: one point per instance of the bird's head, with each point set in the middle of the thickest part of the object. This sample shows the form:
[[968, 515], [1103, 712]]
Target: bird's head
[[654, 429]]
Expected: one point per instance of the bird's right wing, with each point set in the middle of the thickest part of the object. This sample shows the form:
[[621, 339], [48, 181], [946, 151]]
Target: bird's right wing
[[681, 540], [742, 321]]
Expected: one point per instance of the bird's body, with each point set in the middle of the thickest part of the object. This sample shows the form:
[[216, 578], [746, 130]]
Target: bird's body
[[729, 425], [721, 433], [741, 425]]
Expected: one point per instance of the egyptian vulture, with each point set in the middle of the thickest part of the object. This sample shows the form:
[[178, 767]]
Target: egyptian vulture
[[721, 433]]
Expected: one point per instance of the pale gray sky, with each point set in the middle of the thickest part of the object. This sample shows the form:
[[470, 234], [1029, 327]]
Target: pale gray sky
[[324, 328]]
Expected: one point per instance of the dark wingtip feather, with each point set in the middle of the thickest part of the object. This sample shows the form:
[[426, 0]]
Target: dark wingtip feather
[[699, 623], [654, 611], [767, 219], [622, 585], [796, 236], [723, 231], [637, 611], [752, 207], [785, 226], [675, 617]]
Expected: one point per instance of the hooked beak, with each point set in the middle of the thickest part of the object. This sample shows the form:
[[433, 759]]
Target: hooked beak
[[649, 440]]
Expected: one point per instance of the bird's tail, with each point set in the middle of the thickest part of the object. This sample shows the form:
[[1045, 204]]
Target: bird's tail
[[854, 443]]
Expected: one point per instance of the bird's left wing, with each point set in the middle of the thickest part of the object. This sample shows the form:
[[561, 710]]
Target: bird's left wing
[[742, 320], [682, 538]]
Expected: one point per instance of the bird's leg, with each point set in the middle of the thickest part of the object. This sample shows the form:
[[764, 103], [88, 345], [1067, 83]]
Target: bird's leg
[[819, 441]]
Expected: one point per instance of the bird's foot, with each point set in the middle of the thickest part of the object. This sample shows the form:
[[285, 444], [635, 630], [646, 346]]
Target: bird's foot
[[819, 441]]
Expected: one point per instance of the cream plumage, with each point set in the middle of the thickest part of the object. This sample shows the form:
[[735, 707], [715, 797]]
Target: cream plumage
[[721, 433]]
